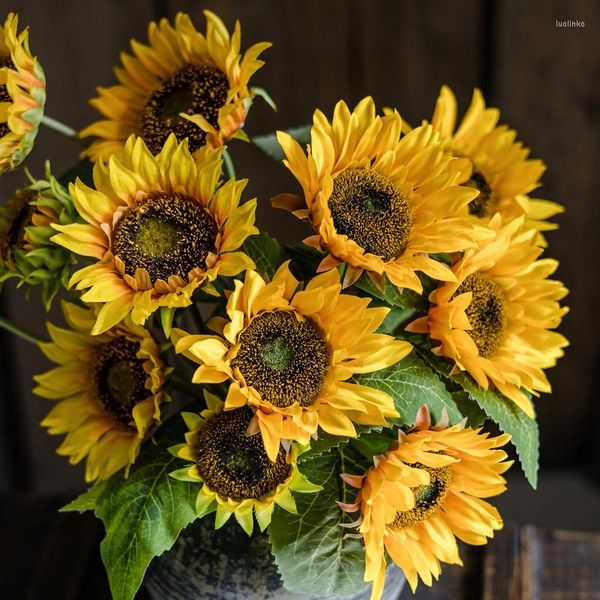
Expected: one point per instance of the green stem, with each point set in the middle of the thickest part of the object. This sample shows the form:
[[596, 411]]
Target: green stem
[[228, 164], [19, 331], [60, 127]]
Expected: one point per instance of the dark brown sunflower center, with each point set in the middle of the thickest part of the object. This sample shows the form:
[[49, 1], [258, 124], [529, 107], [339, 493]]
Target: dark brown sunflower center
[[486, 313], [5, 61], [193, 90], [485, 204], [236, 465], [13, 237], [372, 211], [119, 377], [428, 498], [166, 234], [286, 360]]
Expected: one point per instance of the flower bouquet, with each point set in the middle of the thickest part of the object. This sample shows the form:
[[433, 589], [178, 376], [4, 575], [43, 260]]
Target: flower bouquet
[[326, 401]]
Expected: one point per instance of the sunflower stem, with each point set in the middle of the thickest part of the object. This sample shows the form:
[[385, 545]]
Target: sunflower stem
[[19, 331], [60, 127], [228, 164]]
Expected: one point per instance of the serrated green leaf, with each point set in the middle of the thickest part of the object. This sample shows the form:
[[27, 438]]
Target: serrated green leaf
[[474, 414], [269, 145], [326, 442], [392, 295], [310, 550], [87, 500], [411, 383], [512, 420], [144, 514], [266, 252]]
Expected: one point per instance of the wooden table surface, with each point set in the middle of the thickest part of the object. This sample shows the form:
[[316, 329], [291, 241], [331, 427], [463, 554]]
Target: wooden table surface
[[53, 556]]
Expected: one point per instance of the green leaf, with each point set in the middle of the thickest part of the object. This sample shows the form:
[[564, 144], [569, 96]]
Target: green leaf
[[394, 319], [391, 294], [474, 414], [411, 383], [512, 420], [266, 252], [326, 441], [310, 550], [144, 514], [269, 145], [86, 501], [305, 260]]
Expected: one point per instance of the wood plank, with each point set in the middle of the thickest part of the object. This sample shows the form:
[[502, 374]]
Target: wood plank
[[502, 566], [560, 565], [546, 81]]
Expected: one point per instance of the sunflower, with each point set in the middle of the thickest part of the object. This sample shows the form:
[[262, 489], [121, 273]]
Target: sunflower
[[422, 494], [183, 83], [26, 252], [495, 320], [22, 95], [108, 387], [237, 475], [288, 354], [158, 229], [377, 202], [494, 162]]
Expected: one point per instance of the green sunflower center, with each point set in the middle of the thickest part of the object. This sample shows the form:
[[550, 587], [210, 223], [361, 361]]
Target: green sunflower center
[[193, 90], [486, 313], [119, 377], [428, 498], [236, 465], [372, 211], [5, 61], [166, 234], [485, 204], [284, 359]]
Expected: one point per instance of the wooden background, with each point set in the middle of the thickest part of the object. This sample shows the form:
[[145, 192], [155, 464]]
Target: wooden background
[[546, 80]]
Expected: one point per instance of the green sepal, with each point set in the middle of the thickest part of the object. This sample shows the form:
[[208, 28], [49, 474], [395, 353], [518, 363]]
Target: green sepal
[[262, 93], [166, 319], [183, 475], [204, 504]]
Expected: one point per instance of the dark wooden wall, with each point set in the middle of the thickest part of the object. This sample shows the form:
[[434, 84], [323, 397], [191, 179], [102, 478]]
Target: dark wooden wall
[[545, 79]]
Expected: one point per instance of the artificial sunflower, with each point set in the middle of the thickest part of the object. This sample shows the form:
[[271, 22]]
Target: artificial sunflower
[[493, 161], [425, 492], [158, 227], [377, 202], [22, 95], [495, 320], [185, 83], [26, 252], [288, 354], [237, 475], [109, 391]]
